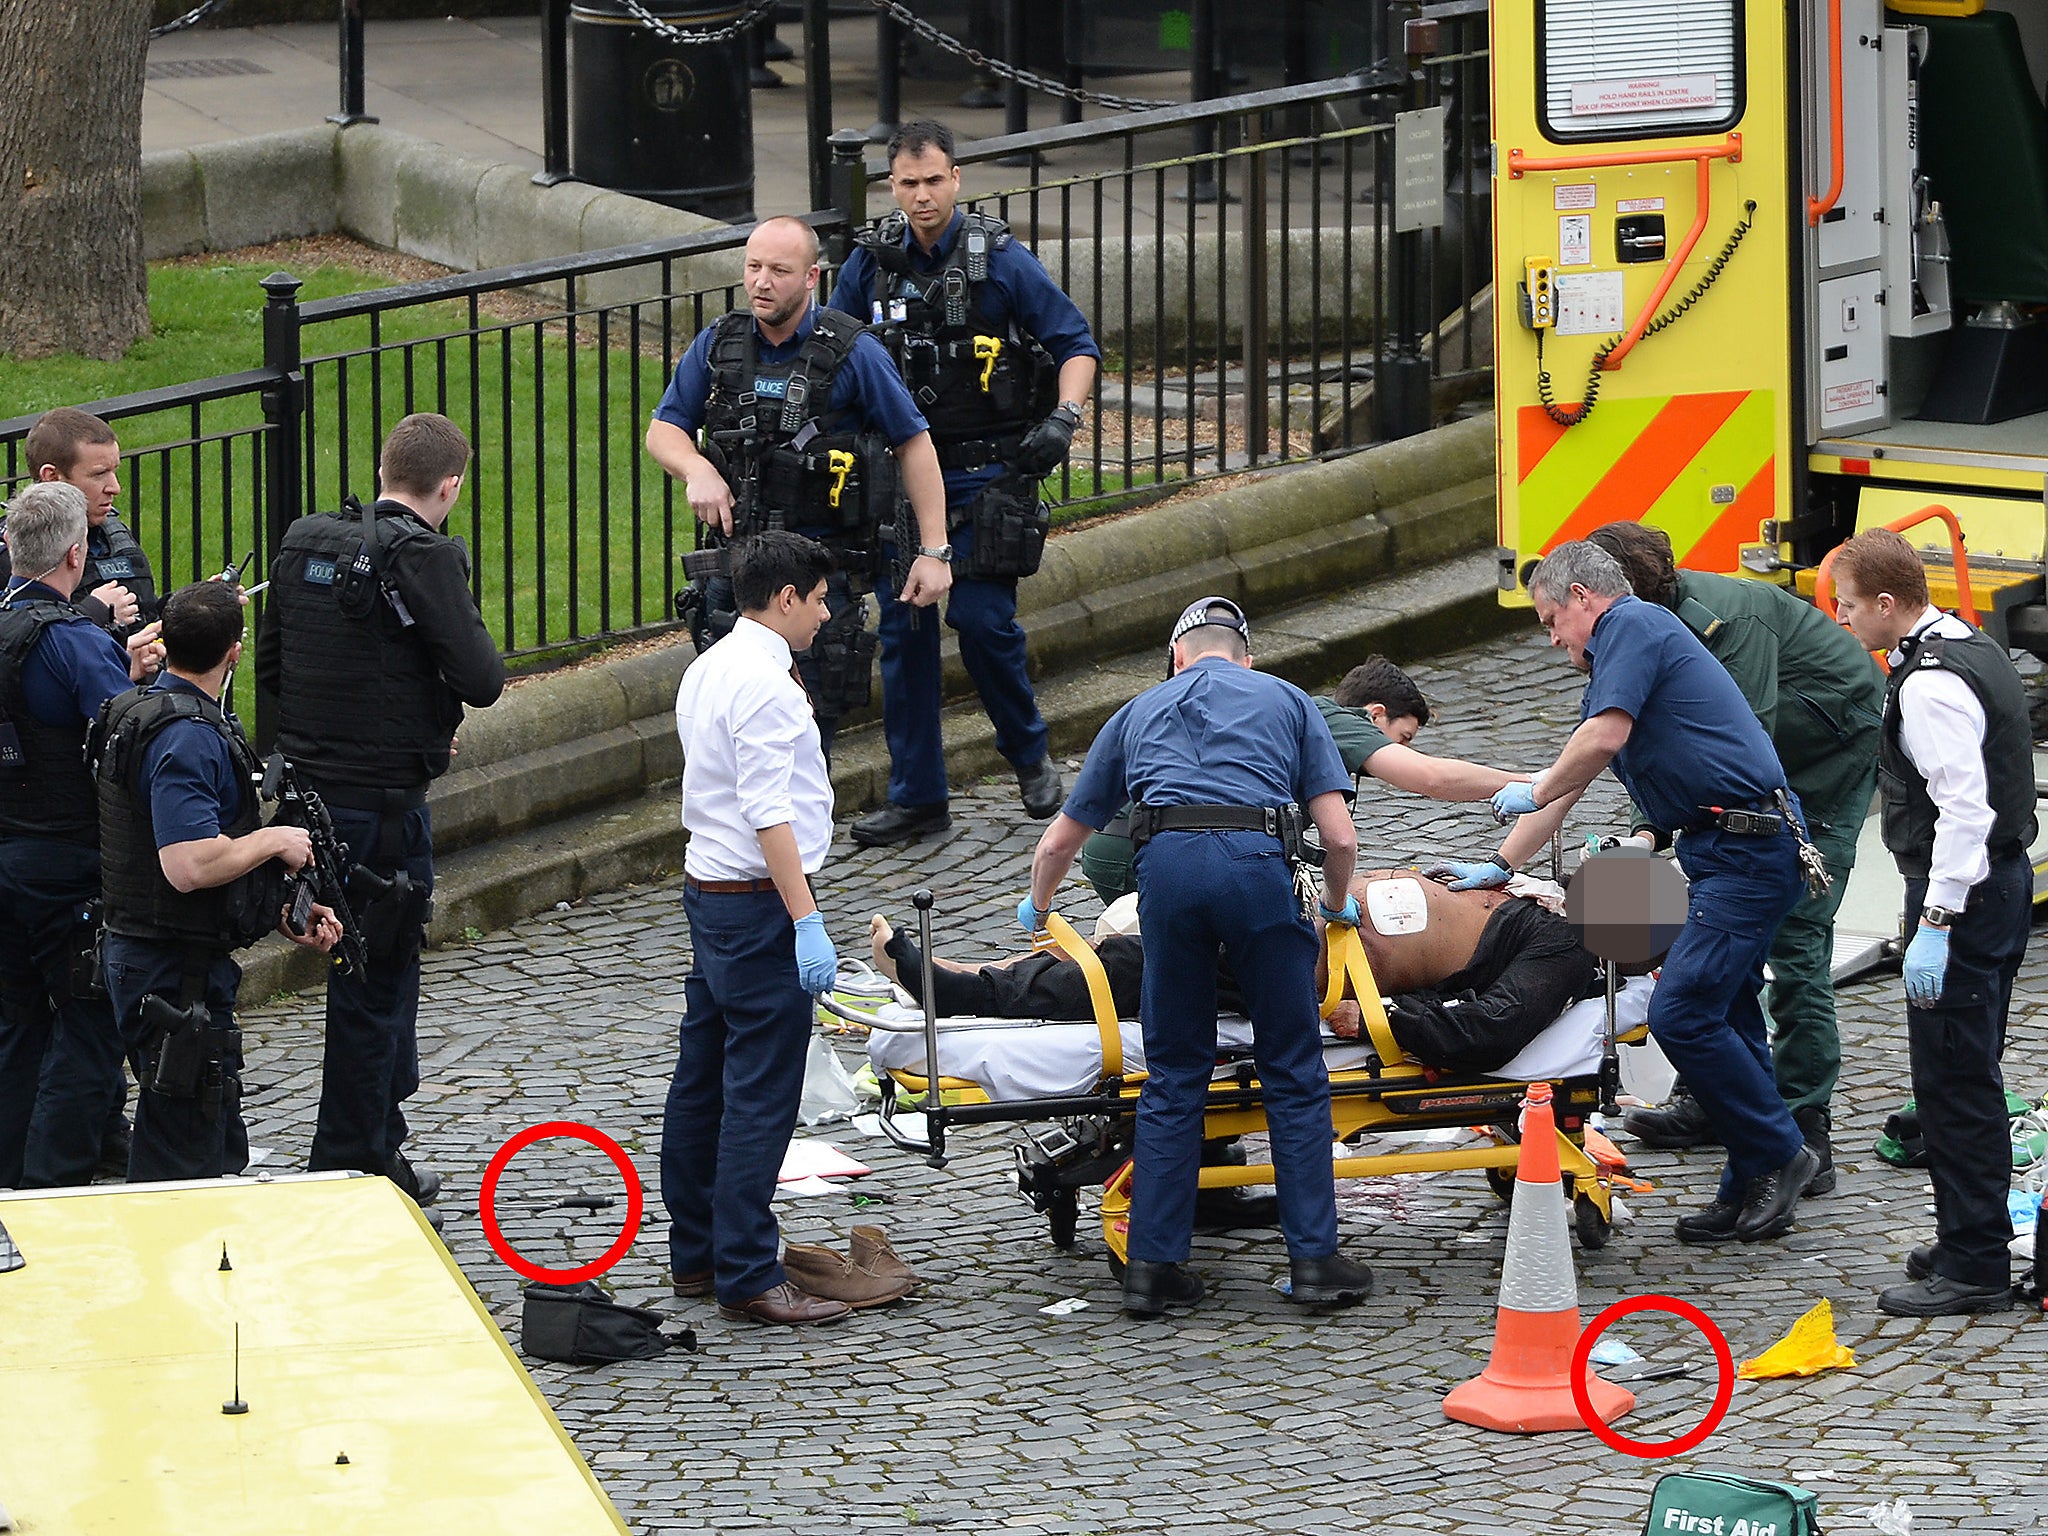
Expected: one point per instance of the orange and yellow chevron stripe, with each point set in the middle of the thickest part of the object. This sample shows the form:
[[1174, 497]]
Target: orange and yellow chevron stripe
[[1701, 467]]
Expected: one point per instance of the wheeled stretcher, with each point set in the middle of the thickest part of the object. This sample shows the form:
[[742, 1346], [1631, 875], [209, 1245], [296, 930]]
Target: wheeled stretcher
[[1073, 1088]]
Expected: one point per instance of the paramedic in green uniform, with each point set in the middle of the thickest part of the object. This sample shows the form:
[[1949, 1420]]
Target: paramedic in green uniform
[[1820, 699]]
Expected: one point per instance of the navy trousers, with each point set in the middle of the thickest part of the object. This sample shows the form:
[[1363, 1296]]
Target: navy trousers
[[1706, 1012], [739, 1079], [1958, 1088], [178, 1138], [61, 1080], [991, 647], [372, 1061], [1199, 892]]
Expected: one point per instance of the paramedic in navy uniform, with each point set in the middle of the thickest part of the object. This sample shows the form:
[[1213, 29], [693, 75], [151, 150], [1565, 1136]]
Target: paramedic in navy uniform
[[1687, 747], [1202, 754]]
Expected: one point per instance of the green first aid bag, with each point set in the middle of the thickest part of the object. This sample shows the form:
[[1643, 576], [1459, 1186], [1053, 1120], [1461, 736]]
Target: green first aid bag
[[1724, 1504]]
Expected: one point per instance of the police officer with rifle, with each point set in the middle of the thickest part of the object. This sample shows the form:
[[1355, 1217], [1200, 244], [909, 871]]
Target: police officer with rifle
[[374, 646], [191, 875], [805, 427]]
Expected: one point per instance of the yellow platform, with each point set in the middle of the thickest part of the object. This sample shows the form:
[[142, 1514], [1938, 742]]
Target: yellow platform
[[360, 1339]]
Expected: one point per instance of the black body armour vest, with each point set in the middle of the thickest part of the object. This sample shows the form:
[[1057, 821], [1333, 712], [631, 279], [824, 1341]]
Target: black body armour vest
[[122, 559], [366, 704], [140, 902], [980, 388], [791, 461], [1909, 813], [45, 789]]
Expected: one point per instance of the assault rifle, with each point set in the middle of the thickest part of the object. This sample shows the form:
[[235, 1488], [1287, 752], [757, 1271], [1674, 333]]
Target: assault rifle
[[325, 880]]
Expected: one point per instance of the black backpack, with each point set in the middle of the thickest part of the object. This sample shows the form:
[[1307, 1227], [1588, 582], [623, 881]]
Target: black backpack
[[580, 1325]]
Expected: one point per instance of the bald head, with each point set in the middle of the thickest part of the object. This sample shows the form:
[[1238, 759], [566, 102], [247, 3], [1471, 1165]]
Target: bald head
[[781, 274]]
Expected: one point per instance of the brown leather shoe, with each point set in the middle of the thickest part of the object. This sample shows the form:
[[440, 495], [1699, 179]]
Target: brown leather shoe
[[696, 1283], [870, 1251], [825, 1272], [787, 1305]]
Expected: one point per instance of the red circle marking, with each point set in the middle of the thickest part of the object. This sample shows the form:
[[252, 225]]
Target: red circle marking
[[1724, 1393], [488, 1202]]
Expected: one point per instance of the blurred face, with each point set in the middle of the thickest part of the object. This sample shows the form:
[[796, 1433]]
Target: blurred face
[[1570, 622], [779, 277], [97, 472], [925, 186]]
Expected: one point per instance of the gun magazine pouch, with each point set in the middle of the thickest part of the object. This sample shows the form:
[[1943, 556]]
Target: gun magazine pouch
[[392, 912], [580, 1325], [1009, 526], [844, 658]]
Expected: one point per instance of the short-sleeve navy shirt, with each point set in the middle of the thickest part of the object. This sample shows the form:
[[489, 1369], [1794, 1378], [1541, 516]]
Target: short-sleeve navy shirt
[[866, 387], [1214, 734], [74, 669], [189, 774], [1695, 742]]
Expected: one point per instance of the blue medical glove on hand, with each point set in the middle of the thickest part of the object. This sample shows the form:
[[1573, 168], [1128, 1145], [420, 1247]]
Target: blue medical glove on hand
[[1030, 918], [1486, 875], [817, 962], [1926, 966], [1513, 800], [1346, 917]]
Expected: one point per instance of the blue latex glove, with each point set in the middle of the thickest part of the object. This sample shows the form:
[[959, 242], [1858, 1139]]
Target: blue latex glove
[[1345, 918], [1926, 966], [1031, 918], [817, 962], [1483, 876], [1513, 800]]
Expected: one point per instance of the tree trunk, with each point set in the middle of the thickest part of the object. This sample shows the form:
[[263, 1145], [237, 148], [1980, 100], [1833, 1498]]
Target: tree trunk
[[72, 278]]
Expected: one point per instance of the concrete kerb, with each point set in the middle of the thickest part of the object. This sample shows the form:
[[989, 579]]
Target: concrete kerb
[[269, 187], [173, 205]]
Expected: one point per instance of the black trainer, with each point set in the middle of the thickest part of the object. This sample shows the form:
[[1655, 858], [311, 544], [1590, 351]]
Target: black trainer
[[1043, 788], [1679, 1122], [1772, 1198], [894, 824], [1149, 1289]]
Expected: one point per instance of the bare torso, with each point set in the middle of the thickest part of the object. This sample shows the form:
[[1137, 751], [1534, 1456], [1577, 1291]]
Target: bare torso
[[1409, 962]]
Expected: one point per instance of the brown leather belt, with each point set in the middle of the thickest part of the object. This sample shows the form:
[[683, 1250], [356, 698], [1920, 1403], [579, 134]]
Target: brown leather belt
[[727, 887]]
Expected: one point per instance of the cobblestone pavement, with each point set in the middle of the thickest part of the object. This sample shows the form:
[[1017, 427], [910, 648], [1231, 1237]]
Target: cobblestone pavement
[[968, 1408]]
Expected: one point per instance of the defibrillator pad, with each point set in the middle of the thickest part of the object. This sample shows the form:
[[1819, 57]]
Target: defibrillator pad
[[1397, 907]]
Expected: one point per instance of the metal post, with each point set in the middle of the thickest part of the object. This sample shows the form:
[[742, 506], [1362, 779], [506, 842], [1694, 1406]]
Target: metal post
[[351, 66], [1016, 105], [982, 95], [1202, 87], [554, 93], [1256, 344], [759, 76], [284, 407], [1070, 56], [888, 77], [934, 1097], [818, 98], [1402, 392], [849, 185]]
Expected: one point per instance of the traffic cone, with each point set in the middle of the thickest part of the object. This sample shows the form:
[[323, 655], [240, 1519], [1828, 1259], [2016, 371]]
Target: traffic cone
[[1526, 1387]]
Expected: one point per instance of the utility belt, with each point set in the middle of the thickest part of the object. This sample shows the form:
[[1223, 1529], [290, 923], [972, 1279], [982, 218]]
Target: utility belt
[[979, 452], [1281, 822], [184, 1055], [1760, 819], [1009, 526]]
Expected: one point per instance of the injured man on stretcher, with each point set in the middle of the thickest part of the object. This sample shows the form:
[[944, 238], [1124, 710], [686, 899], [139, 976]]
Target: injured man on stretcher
[[1474, 982]]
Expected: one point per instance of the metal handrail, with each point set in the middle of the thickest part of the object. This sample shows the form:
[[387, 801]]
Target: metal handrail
[[1824, 583]]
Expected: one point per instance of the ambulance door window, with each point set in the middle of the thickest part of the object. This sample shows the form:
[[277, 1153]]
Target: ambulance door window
[[1636, 69]]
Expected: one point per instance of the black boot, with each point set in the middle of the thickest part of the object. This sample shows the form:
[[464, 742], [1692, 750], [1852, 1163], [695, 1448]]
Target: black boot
[[1149, 1289], [1813, 1125], [1678, 1122]]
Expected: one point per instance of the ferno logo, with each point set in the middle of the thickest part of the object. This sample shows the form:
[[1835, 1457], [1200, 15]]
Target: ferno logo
[[670, 85]]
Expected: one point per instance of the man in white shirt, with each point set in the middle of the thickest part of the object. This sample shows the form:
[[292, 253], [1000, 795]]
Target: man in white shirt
[[757, 803], [1956, 772]]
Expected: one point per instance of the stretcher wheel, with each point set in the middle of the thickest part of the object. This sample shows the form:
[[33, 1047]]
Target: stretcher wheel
[[1594, 1228], [1062, 1215], [1502, 1182]]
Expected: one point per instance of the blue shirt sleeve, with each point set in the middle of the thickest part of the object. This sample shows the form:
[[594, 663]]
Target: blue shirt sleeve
[[73, 671], [190, 779], [850, 285], [869, 388], [1099, 794], [1039, 305], [1322, 765], [1625, 663], [682, 403]]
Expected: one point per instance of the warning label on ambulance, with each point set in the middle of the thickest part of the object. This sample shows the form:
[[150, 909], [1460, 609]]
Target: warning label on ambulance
[[1639, 205], [1576, 194], [1659, 93], [1839, 398]]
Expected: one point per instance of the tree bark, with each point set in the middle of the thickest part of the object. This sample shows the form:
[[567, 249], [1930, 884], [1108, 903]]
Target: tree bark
[[72, 277]]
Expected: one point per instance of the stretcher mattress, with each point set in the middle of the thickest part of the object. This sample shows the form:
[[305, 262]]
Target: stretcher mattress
[[1032, 1059]]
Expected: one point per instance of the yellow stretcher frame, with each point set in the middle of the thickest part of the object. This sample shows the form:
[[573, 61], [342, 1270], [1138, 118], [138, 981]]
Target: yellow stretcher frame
[[1400, 1094]]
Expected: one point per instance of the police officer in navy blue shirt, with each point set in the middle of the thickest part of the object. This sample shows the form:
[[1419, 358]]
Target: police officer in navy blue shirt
[[781, 279], [1000, 361], [61, 1080], [1210, 756], [1687, 747]]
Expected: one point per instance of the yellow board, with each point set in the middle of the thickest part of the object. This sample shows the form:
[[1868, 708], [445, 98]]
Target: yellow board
[[360, 1339]]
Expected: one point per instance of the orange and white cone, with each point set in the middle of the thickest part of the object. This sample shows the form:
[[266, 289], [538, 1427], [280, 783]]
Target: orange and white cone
[[1526, 1387]]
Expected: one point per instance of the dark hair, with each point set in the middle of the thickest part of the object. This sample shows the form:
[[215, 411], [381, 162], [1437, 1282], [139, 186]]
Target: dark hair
[[1377, 680], [1644, 551], [58, 435], [423, 450], [1878, 560], [762, 564], [919, 135], [200, 623]]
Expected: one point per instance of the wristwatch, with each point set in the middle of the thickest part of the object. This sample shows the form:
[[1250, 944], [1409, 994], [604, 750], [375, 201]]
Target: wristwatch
[[1938, 917], [942, 552], [1073, 407]]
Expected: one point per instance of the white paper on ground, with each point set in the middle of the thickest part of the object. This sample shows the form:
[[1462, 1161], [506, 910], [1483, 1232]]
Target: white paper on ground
[[1063, 1306], [812, 1185], [810, 1158]]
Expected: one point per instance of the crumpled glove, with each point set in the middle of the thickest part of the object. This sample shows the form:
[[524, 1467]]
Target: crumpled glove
[[1485, 875], [817, 962], [1926, 966], [1031, 918], [1346, 916], [1044, 448], [1512, 800]]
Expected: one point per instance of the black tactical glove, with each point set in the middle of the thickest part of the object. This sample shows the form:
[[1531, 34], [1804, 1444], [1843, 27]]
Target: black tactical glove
[[1045, 446]]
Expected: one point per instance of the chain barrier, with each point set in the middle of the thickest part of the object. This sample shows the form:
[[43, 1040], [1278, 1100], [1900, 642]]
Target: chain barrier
[[912, 22], [756, 13], [191, 18]]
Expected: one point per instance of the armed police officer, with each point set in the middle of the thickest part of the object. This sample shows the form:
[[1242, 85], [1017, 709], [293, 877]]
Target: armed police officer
[[373, 647], [806, 428], [1220, 760], [191, 875], [1000, 362], [61, 1080], [117, 590]]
